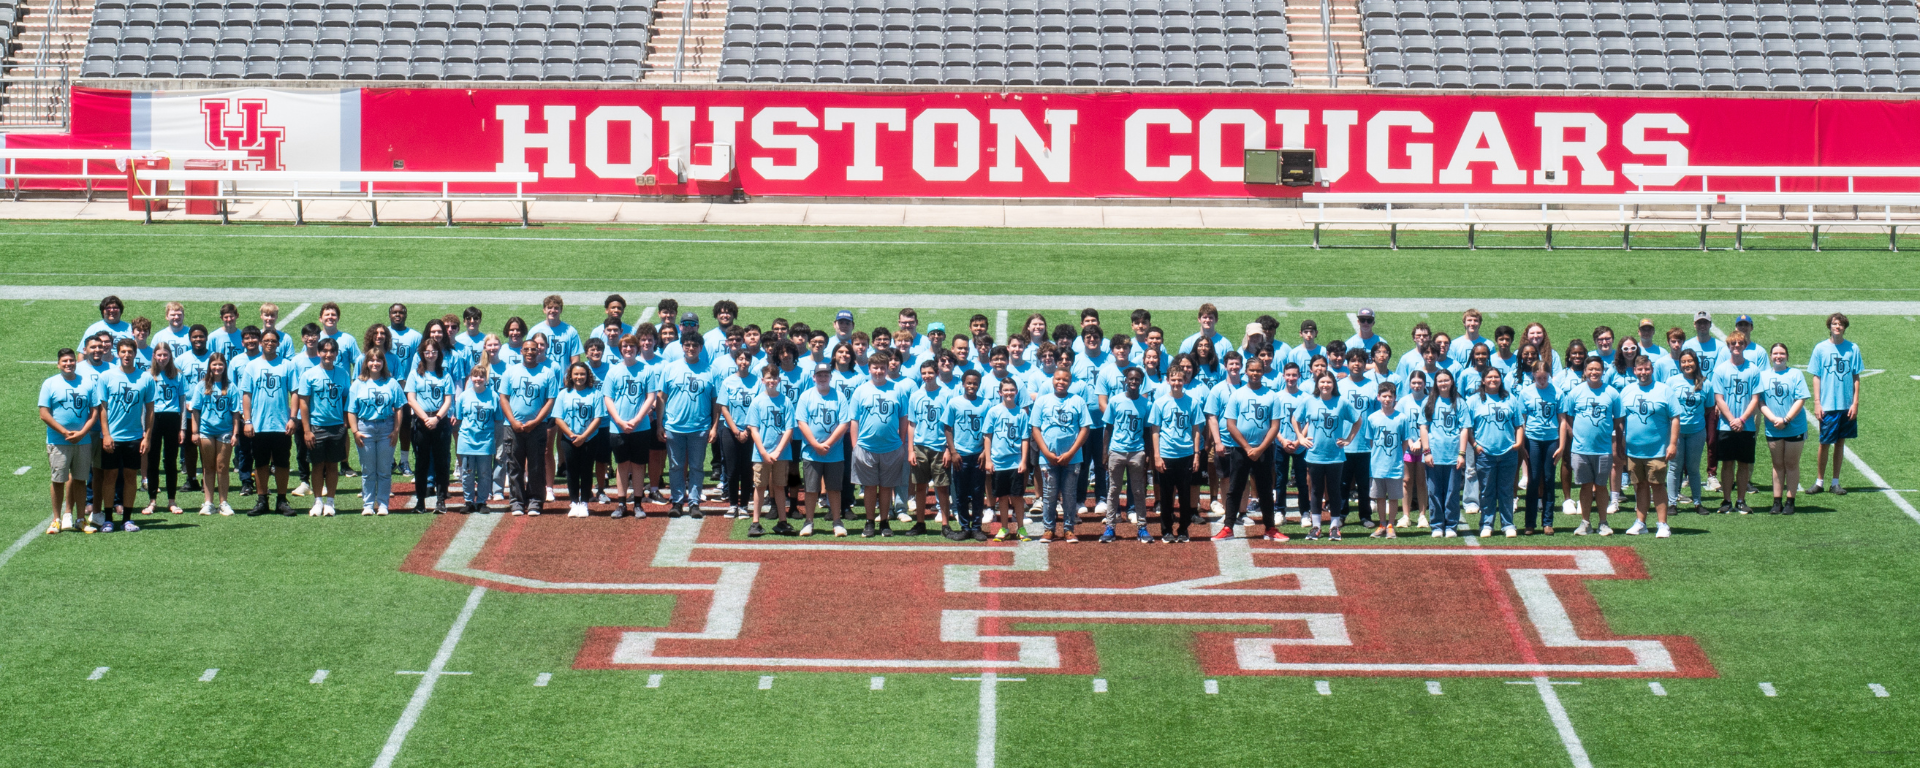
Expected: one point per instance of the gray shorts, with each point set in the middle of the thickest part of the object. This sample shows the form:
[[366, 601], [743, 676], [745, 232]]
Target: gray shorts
[[1591, 470], [1389, 488], [70, 461], [879, 469], [825, 476]]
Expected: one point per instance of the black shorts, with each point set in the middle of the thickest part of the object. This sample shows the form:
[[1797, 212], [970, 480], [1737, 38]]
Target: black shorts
[[329, 444], [1006, 483], [1736, 447], [124, 455], [270, 450], [600, 447], [631, 447]]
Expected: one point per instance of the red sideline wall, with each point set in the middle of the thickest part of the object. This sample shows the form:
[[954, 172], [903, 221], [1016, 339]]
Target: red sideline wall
[[1083, 145]]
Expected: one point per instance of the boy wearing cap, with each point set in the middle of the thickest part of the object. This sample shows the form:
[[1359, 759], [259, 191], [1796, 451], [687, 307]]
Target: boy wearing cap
[[842, 331], [1365, 338], [1836, 365]]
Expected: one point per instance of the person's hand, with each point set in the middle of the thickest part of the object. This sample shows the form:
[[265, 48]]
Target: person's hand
[[145, 441], [1343, 442], [393, 438], [248, 429], [1460, 463], [1306, 441], [1426, 457], [1853, 411], [1671, 451], [307, 434], [579, 440], [1196, 462], [358, 441], [1817, 413]]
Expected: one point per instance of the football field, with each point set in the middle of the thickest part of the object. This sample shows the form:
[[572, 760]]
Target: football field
[[488, 640]]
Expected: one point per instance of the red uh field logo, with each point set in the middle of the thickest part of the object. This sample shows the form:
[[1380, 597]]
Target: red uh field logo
[[1253, 608], [243, 127]]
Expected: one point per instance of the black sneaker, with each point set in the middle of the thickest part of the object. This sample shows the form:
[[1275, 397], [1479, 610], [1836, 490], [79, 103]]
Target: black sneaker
[[693, 511], [756, 531], [980, 535], [953, 535], [1181, 539], [1742, 508], [191, 487], [886, 529], [867, 532], [784, 528], [1725, 506], [246, 488], [283, 507], [1789, 508], [919, 529], [259, 507], [350, 472], [1775, 509], [676, 510]]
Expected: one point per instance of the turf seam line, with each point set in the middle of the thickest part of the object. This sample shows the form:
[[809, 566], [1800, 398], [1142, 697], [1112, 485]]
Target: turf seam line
[[25, 539], [424, 691]]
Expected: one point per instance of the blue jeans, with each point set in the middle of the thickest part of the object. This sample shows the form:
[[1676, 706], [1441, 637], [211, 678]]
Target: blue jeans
[[686, 469], [1059, 485], [969, 482], [1497, 475], [1540, 480], [376, 460], [476, 477], [1685, 466], [1444, 484]]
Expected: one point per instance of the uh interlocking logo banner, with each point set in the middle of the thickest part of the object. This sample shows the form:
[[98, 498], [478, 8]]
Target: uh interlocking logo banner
[[1254, 608], [278, 129]]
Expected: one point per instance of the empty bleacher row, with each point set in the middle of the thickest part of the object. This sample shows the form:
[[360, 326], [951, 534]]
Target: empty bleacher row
[[560, 40], [10, 11], [1219, 43], [1749, 46]]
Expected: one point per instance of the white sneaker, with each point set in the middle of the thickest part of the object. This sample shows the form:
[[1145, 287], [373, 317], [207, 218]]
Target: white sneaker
[[733, 511], [206, 508], [1453, 534], [1662, 532], [1217, 507], [1100, 509], [382, 510], [366, 511], [330, 508], [1404, 522], [432, 502], [1605, 531], [839, 531], [903, 517], [1437, 533], [498, 496], [66, 521], [1486, 531], [1133, 518], [1713, 484], [601, 498], [1638, 527], [806, 530], [549, 494], [316, 509], [226, 510], [1570, 508], [1582, 530], [1613, 505], [1424, 522], [303, 490], [1471, 509], [1510, 531]]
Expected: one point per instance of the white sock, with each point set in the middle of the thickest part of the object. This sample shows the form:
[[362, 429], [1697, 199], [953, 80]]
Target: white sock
[[1817, 482]]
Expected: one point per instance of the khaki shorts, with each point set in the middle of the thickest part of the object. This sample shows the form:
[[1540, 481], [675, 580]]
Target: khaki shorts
[[1647, 470], [929, 468], [70, 461], [770, 474]]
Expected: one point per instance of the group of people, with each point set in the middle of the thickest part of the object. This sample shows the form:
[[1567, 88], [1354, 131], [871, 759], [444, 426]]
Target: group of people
[[960, 430]]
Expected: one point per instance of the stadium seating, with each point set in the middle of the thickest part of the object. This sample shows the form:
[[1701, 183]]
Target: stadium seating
[[9, 18], [1222, 43], [560, 40], [1749, 46]]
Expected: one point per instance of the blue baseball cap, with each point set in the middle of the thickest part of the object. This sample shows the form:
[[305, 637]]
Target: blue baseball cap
[[689, 318], [1748, 319], [844, 314], [937, 328]]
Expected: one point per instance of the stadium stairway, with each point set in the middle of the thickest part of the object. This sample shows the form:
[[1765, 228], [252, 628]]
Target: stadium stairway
[[34, 96], [1310, 44], [689, 32]]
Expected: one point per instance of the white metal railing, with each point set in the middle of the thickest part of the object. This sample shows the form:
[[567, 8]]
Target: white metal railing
[[13, 179], [227, 188]]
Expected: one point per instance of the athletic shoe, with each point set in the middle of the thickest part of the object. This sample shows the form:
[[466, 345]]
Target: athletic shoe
[[1424, 522], [1391, 534], [1067, 536], [328, 512], [549, 494], [693, 511], [1313, 534], [1001, 535], [1100, 508], [129, 527], [839, 531], [1838, 489], [1700, 508], [868, 531], [1144, 536], [1582, 530], [1742, 508], [919, 529], [783, 528], [226, 510], [1133, 518], [1775, 509], [366, 511], [319, 506], [1712, 484], [639, 514], [1368, 522], [1274, 534], [1638, 527], [1816, 487], [1613, 505], [88, 527], [1183, 538], [1725, 506], [1217, 508], [1789, 508], [1404, 522], [534, 510], [1106, 536], [259, 507], [206, 507], [1569, 507], [350, 472], [246, 488], [756, 531], [601, 498], [303, 490], [1334, 535], [1486, 531], [1605, 531], [106, 527], [733, 512], [53, 527], [1452, 534], [1471, 508], [1662, 532], [886, 529], [516, 509], [979, 535], [1377, 533], [953, 534], [1437, 533], [283, 507], [1226, 532], [66, 521]]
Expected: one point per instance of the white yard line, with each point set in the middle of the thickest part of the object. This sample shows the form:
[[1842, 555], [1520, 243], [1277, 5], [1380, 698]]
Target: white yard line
[[98, 672], [1766, 689], [653, 681], [985, 749], [287, 319], [1433, 688], [1055, 302], [1561, 722], [22, 471], [35, 532], [876, 684], [766, 682], [1210, 687], [1323, 687], [541, 680], [1879, 691], [424, 691], [1099, 685], [319, 676], [1658, 689]]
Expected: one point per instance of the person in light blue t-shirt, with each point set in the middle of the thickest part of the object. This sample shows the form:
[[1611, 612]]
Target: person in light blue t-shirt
[[71, 410], [126, 398], [1060, 423], [880, 442], [1783, 397], [964, 418], [1590, 428], [770, 427], [1391, 434], [1737, 396], [820, 421], [580, 418], [1327, 425], [1494, 433], [692, 422], [631, 388], [1179, 425], [527, 392], [1442, 421], [322, 393], [1250, 425], [373, 405], [1651, 420], [477, 415], [1836, 366], [430, 394]]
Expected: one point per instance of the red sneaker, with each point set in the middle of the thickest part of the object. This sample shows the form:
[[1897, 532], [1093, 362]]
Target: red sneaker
[[1226, 532], [1274, 534]]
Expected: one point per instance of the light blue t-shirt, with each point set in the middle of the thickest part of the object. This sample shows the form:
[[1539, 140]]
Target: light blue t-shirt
[[1363, 397], [628, 388], [1594, 413], [349, 348], [1009, 431], [1388, 436], [737, 394], [1836, 365], [326, 392], [1286, 408], [1649, 413], [406, 347], [773, 417], [821, 414], [1778, 392], [1060, 420], [1495, 419], [126, 398], [216, 411], [1541, 408], [1712, 352], [1176, 418], [925, 409], [1327, 422], [375, 399], [479, 414], [1738, 384], [431, 389], [877, 410], [166, 392], [690, 393], [563, 343], [578, 410], [528, 389], [70, 403], [269, 389], [1696, 405], [1443, 430], [1127, 418], [1252, 412], [120, 330], [968, 419]]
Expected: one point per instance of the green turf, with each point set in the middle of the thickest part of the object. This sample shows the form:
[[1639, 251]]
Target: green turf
[[1818, 605]]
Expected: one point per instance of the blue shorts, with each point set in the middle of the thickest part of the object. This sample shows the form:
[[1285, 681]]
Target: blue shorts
[[1835, 426]]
